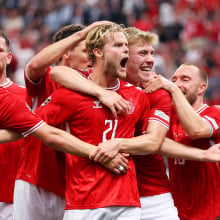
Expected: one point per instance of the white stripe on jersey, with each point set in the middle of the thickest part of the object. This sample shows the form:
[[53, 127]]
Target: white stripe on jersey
[[38, 125]]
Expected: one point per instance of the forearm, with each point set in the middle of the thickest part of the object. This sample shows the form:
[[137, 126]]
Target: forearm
[[9, 135], [71, 79], [194, 125], [143, 144], [62, 141], [174, 149], [148, 143]]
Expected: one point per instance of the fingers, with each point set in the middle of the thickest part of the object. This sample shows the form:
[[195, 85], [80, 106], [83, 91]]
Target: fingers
[[120, 106], [93, 154], [116, 171], [101, 157], [114, 112]]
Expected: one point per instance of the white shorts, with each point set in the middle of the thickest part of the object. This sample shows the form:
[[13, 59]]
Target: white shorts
[[6, 211], [34, 203], [159, 207], [107, 213]]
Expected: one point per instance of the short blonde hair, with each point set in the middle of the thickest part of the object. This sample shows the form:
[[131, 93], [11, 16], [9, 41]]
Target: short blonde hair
[[136, 35], [96, 37]]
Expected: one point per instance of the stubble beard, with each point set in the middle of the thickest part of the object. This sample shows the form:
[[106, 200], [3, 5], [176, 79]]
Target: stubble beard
[[191, 98], [111, 69]]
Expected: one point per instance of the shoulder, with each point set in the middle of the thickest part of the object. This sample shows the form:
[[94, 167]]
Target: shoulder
[[129, 86], [213, 109]]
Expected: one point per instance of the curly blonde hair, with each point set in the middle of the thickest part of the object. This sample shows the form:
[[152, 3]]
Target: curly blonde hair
[[96, 37]]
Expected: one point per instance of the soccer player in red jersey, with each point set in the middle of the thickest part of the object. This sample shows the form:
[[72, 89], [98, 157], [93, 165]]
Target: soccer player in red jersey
[[8, 163], [42, 169], [91, 191], [195, 185], [153, 184]]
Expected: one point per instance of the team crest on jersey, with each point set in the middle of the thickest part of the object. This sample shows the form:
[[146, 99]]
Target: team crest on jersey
[[130, 107], [46, 101], [97, 104]]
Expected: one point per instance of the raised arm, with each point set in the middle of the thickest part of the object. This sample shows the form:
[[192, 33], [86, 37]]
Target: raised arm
[[35, 68], [71, 79]]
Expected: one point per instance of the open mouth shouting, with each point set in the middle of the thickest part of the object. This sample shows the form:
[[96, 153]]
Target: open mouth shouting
[[123, 63]]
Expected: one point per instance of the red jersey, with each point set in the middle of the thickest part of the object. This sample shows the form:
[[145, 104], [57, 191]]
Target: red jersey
[[16, 115], [41, 165], [38, 92], [10, 153], [195, 185], [151, 169], [90, 185]]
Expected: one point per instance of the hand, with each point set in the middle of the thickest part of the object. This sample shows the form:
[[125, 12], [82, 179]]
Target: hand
[[212, 154], [115, 163], [114, 102], [105, 151], [157, 82], [87, 29]]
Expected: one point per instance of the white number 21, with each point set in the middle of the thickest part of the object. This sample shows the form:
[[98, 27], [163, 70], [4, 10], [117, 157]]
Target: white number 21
[[112, 126]]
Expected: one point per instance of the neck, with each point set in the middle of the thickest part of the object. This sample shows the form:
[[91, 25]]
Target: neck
[[198, 104], [103, 78], [3, 78]]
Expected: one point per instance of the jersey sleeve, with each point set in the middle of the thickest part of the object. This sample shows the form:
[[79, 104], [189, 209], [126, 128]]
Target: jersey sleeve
[[213, 120], [34, 87], [37, 92], [59, 107], [160, 102], [15, 115]]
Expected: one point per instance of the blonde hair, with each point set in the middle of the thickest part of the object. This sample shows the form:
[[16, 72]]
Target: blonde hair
[[136, 35], [96, 37]]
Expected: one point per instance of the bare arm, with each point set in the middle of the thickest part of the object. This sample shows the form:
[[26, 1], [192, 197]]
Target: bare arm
[[71, 79], [63, 141], [177, 150], [194, 125], [144, 144], [35, 68], [8, 136]]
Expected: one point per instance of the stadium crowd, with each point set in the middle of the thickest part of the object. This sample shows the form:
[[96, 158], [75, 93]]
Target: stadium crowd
[[188, 29]]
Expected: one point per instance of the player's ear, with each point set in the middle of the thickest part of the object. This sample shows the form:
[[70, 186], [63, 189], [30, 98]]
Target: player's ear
[[98, 53], [66, 55], [9, 57], [202, 88]]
